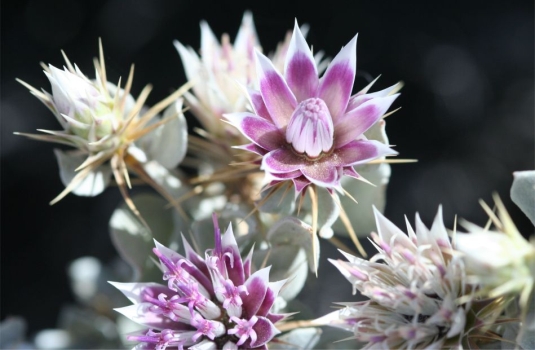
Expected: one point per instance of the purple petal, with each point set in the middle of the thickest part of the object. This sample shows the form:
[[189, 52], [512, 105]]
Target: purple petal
[[258, 104], [252, 148], [282, 160], [322, 173], [360, 119], [269, 298], [361, 97], [349, 171], [191, 269], [300, 67], [279, 99], [195, 258], [265, 331], [258, 130], [359, 152], [300, 183], [257, 286], [288, 176], [337, 82], [233, 262]]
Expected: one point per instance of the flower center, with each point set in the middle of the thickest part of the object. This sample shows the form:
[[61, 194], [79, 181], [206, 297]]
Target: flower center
[[310, 129]]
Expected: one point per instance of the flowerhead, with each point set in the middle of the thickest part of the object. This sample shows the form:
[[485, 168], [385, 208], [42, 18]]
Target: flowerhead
[[103, 122], [310, 130], [500, 261], [413, 293], [210, 303], [219, 71]]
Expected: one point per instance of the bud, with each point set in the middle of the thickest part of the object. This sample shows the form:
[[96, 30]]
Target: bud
[[110, 131], [85, 107]]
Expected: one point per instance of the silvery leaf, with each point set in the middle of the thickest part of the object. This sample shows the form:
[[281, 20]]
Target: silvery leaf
[[93, 184], [132, 240], [13, 333], [168, 143], [523, 192], [287, 262], [170, 180], [292, 231], [280, 201]]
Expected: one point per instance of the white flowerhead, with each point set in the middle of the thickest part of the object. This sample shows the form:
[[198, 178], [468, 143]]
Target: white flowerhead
[[220, 72], [414, 283], [500, 261], [111, 132]]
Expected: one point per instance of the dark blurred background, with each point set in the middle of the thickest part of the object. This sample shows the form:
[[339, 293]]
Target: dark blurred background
[[467, 109]]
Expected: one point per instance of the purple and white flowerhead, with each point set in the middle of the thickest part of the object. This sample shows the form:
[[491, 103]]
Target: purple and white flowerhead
[[210, 303], [310, 130], [412, 293]]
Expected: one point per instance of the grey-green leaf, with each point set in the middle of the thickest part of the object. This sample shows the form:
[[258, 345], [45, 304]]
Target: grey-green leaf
[[278, 200], [93, 184], [523, 192], [287, 262], [292, 231], [168, 143], [133, 241]]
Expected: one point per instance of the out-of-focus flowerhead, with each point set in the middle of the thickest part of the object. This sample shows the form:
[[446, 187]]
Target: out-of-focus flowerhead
[[103, 122], [500, 261], [413, 293], [210, 303], [219, 71], [310, 130]]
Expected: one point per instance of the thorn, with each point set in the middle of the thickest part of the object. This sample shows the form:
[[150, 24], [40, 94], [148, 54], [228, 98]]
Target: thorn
[[68, 62], [349, 227], [390, 113], [314, 200]]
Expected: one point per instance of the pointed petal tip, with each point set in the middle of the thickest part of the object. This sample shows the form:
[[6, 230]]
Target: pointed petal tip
[[115, 284], [438, 217], [178, 45], [247, 17]]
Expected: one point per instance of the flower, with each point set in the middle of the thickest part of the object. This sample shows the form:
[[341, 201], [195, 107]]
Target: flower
[[500, 262], [211, 303], [219, 72], [310, 130], [413, 294], [110, 131]]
